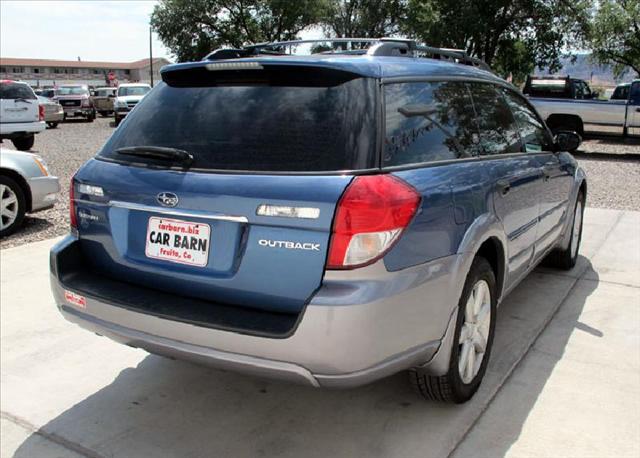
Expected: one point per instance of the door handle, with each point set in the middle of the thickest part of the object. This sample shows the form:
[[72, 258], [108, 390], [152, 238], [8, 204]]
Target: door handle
[[503, 187]]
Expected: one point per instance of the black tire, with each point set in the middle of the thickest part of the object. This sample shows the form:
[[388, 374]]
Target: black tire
[[566, 259], [117, 121], [91, 117], [571, 125], [24, 143], [450, 387], [21, 205], [103, 114], [53, 125]]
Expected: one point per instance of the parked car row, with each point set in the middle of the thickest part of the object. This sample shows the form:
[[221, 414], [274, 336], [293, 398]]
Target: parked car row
[[78, 101]]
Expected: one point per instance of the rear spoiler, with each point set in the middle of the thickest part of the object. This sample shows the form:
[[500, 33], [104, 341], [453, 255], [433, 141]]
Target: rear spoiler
[[256, 73]]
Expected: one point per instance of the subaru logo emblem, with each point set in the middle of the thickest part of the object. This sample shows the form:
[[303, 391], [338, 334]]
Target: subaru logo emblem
[[167, 199]]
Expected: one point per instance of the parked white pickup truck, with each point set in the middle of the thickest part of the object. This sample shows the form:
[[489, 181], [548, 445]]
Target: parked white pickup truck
[[595, 117]]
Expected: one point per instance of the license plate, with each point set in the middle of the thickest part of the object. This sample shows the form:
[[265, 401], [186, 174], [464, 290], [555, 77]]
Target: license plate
[[178, 241]]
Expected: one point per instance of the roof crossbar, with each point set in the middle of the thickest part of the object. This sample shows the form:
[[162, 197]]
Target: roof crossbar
[[398, 47]]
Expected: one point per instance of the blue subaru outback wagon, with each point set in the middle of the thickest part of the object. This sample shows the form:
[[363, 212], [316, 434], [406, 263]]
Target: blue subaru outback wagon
[[329, 219]]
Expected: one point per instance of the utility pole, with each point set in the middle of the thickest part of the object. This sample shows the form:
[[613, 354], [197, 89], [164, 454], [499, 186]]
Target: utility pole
[[150, 56]]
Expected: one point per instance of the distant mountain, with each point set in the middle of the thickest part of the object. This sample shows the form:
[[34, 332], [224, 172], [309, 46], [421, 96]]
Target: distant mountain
[[583, 68]]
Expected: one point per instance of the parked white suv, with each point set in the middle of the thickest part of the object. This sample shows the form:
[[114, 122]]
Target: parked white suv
[[127, 97], [21, 115]]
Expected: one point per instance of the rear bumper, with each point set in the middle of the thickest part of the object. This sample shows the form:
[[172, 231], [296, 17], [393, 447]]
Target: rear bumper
[[44, 192], [54, 116], [78, 111], [357, 328], [17, 129]]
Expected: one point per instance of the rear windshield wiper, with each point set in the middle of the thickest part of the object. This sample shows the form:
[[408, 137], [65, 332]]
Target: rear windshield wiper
[[157, 152]]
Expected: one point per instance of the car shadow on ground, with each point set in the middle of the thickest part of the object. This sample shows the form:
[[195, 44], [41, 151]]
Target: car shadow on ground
[[499, 437], [163, 407]]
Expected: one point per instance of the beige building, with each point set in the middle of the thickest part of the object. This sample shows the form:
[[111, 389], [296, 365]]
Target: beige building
[[48, 72]]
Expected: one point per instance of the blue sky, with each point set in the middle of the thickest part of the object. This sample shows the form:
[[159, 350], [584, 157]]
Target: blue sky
[[94, 30]]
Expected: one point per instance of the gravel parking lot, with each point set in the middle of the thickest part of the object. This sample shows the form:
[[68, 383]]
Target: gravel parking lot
[[614, 182]]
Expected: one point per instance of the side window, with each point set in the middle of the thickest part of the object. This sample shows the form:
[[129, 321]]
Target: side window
[[428, 121], [532, 130], [497, 127]]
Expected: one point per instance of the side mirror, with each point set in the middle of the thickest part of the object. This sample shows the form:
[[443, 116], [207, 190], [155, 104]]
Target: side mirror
[[566, 140], [111, 95]]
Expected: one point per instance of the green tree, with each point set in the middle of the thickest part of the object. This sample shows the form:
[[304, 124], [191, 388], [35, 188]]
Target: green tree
[[193, 28], [614, 35], [513, 36], [363, 18]]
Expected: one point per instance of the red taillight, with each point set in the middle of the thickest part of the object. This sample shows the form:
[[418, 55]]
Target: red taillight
[[72, 206], [40, 112], [371, 215]]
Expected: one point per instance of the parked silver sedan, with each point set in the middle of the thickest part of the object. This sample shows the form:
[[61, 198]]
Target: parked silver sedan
[[53, 111], [26, 186]]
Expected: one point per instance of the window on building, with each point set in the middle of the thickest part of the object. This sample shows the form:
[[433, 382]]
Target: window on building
[[17, 69], [3, 69], [36, 70], [127, 72]]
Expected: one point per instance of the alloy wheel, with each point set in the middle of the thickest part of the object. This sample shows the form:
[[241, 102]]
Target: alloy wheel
[[475, 331], [8, 206]]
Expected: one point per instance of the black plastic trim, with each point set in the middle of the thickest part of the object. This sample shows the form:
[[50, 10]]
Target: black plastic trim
[[75, 274]]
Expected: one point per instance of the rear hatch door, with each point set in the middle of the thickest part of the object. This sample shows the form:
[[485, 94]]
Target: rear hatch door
[[247, 220]]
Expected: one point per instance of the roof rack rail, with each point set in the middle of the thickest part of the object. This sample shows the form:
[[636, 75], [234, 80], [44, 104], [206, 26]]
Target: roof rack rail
[[385, 46]]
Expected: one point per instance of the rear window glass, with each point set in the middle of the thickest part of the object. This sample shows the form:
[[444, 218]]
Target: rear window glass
[[257, 127], [72, 90], [547, 88], [132, 90], [427, 122], [104, 92], [16, 91]]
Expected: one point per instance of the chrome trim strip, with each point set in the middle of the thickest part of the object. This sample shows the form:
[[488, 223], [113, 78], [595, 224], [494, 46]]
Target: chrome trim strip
[[174, 212]]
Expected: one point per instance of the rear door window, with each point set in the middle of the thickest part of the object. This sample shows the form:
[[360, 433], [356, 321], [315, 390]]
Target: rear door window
[[497, 127], [16, 91], [535, 136], [427, 122], [262, 126]]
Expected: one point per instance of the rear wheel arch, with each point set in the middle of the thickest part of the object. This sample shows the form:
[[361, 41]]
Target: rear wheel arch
[[493, 251], [565, 122], [583, 190], [15, 176]]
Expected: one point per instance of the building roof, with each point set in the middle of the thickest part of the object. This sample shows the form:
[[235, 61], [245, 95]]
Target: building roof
[[367, 66], [18, 61]]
